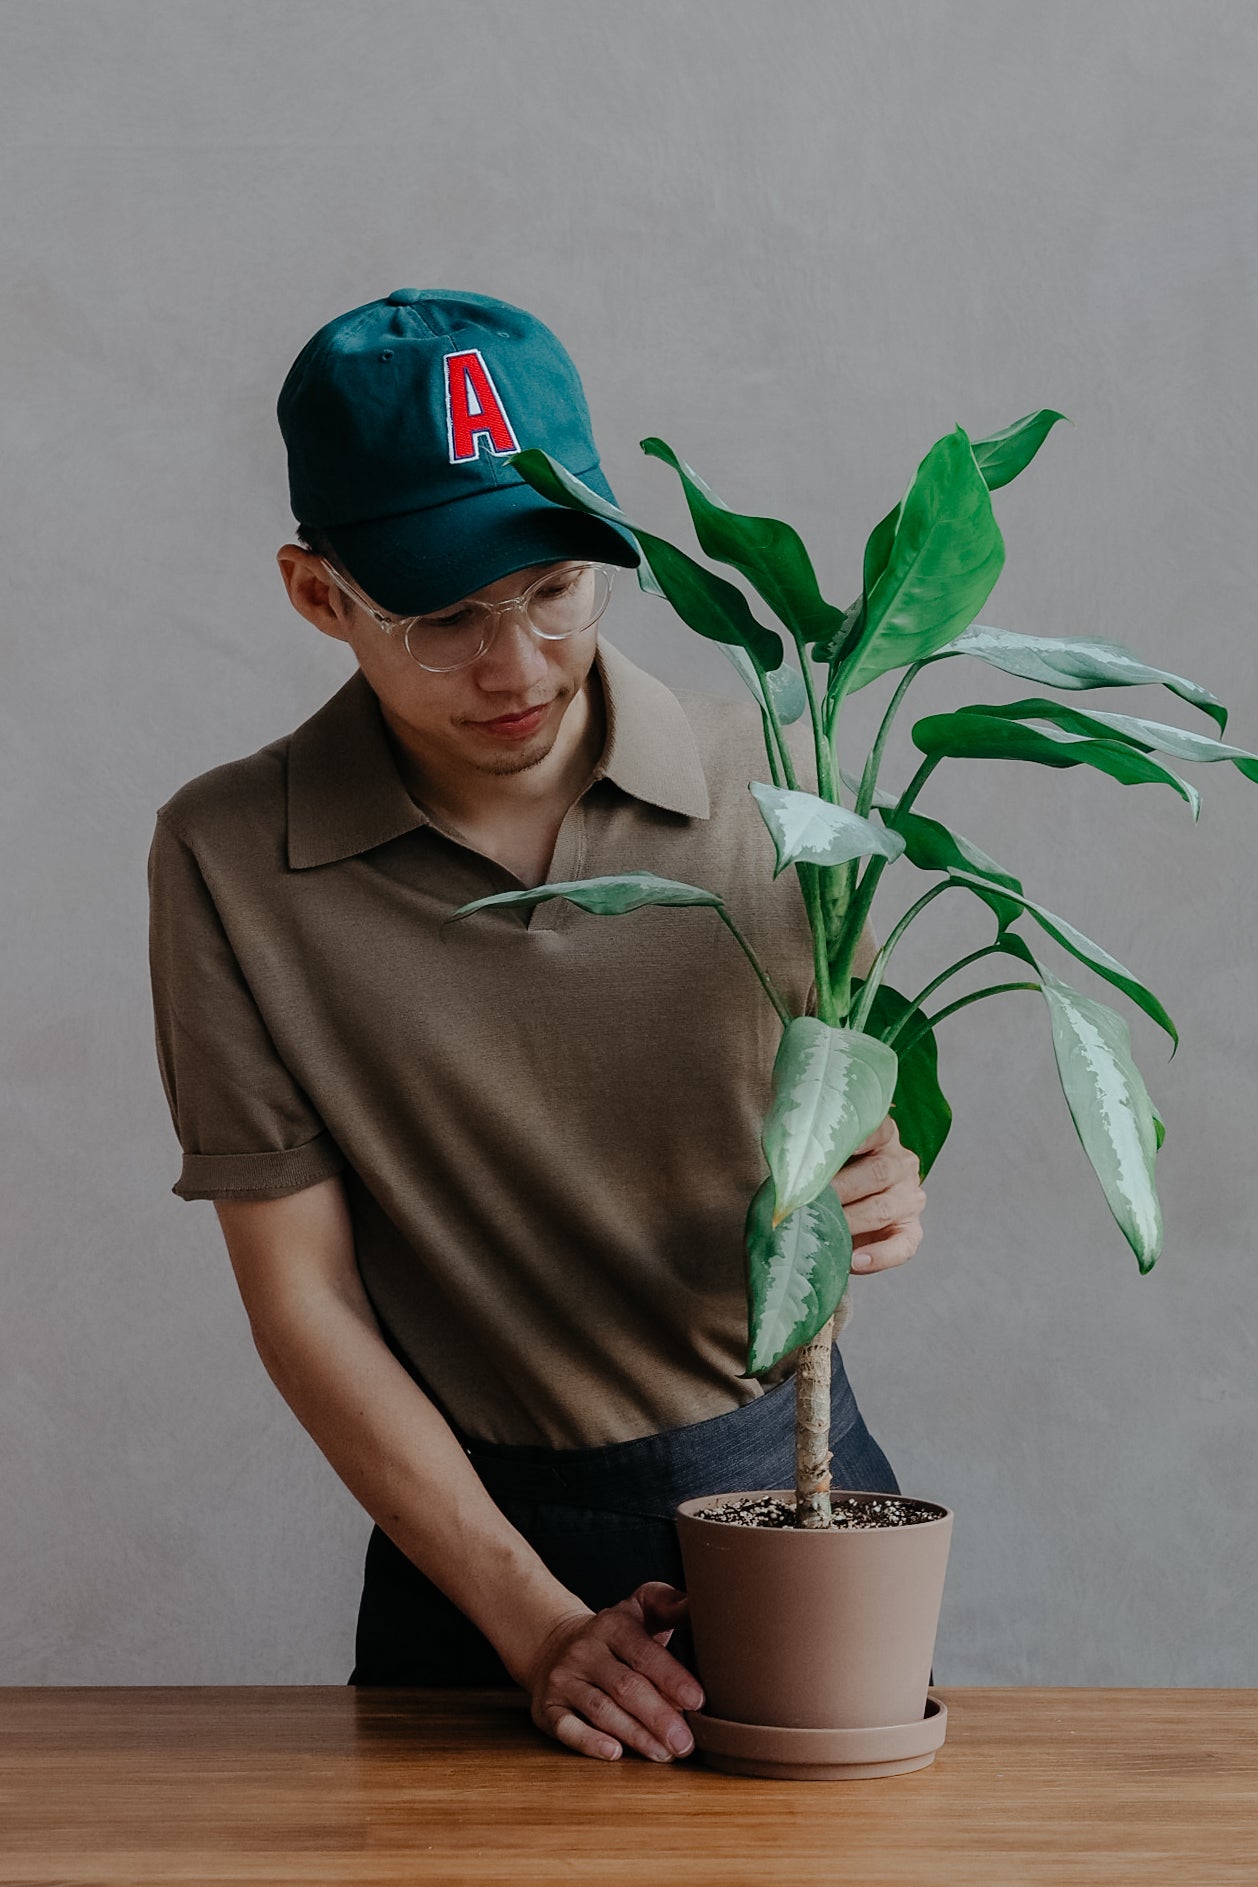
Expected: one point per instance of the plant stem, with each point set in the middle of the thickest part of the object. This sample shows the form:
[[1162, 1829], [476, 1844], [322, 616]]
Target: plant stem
[[812, 1430], [869, 778], [928, 1022], [869, 988], [858, 909], [914, 1007], [771, 720], [808, 875], [821, 746], [774, 764], [766, 982]]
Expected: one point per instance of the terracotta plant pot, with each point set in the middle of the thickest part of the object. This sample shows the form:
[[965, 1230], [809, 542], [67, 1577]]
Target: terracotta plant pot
[[814, 1646]]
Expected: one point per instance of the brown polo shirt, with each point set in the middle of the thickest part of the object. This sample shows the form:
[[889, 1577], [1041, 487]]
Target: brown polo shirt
[[547, 1123]]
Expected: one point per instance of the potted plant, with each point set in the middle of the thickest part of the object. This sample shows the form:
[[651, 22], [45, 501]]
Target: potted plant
[[814, 1627]]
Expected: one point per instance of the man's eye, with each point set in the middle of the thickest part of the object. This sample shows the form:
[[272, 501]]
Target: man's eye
[[456, 621]]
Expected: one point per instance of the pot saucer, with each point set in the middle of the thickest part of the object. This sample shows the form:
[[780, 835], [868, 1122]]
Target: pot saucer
[[792, 1755]]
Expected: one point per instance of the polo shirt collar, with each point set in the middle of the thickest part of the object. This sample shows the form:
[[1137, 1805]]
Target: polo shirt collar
[[345, 794]]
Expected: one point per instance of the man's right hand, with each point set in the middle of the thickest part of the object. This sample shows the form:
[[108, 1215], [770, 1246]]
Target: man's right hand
[[602, 1681]]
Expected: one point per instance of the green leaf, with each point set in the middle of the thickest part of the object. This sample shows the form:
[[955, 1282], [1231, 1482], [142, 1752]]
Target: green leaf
[[968, 734], [918, 1108], [708, 604], [1114, 1117], [1079, 946], [836, 648], [705, 602], [797, 1273], [786, 685], [999, 457], [805, 826], [831, 1088], [945, 557], [769, 553], [1148, 736], [878, 547], [562, 487], [605, 897], [1075, 662], [1002, 455], [932, 846]]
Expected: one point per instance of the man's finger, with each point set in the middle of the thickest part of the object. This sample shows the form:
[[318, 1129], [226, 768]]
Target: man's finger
[[659, 1596], [878, 1212], [622, 1721], [638, 1650], [884, 1131], [896, 1248], [583, 1737]]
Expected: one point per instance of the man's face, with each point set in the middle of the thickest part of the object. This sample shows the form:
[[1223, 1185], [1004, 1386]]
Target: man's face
[[446, 720]]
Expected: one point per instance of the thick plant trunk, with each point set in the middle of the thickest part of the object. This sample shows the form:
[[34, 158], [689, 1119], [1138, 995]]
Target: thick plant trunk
[[812, 1431]]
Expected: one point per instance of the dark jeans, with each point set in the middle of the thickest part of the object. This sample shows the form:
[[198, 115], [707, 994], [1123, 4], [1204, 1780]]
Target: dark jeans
[[601, 1519]]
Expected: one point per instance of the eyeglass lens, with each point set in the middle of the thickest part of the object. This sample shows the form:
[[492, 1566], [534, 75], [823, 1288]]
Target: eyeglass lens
[[562, 604]]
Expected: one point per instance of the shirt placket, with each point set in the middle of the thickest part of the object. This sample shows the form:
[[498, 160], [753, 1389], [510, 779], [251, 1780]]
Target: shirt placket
[[568, 861]]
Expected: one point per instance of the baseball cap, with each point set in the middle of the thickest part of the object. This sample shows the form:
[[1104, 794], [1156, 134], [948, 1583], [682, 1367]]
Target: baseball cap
[[399, 418]]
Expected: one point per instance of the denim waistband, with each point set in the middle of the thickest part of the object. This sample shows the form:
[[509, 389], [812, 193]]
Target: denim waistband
[[751, 1446]]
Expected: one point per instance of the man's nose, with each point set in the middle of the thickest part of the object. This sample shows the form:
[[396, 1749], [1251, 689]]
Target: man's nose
[[515, 645]]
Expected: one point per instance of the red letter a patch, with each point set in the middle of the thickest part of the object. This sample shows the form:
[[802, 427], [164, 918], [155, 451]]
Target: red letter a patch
[[473, 409]]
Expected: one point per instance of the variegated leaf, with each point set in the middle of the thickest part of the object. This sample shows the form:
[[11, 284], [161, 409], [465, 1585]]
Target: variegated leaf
[[831, 1088], [1075, 662], [1114, 1117], [605, 897], [805, 826], [796, 1274], [786, 684]]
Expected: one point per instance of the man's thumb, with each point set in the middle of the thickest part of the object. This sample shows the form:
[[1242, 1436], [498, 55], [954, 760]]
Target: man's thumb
[[665, 1602]]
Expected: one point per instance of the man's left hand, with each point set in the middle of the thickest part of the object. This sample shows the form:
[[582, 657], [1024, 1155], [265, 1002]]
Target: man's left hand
[[882, 1197]]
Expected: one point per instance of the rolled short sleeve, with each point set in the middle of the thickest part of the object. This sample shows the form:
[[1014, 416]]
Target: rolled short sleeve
[[246, 1127]]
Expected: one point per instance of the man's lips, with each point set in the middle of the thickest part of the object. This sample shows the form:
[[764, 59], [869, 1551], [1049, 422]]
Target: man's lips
[[515, 723]]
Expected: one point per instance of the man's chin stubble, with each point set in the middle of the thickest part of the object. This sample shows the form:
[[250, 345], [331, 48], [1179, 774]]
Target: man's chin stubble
[[508, 763]]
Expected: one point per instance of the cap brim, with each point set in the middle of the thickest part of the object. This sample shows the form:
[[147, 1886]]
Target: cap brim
[[427, 559]]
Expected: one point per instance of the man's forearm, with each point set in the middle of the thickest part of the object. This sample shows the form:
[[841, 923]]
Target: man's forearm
[[399, 1458]]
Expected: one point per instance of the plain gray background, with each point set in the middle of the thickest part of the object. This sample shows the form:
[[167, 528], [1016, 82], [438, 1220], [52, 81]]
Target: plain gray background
[[801, 241]]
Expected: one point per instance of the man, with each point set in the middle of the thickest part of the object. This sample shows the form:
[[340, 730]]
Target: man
[[483, 1184]]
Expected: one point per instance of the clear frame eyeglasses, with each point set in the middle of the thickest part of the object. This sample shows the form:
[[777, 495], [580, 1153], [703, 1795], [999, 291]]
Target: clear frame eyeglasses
[[561, 603]]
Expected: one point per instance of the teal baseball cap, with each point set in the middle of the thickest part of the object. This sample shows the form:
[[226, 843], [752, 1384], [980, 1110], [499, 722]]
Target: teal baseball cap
[[400, 418]]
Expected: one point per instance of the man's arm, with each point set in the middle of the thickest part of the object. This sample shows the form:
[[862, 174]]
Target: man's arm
[[319, 1340]]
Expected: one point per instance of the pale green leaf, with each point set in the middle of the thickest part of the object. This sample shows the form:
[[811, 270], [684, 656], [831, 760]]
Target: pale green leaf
[[831, 1088], [1075, 662], [1113, 1115], [796, 1274], [604, 897], [786, 684], [805, 826]]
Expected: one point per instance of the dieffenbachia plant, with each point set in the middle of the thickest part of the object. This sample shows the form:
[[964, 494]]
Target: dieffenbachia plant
[[929, 567]]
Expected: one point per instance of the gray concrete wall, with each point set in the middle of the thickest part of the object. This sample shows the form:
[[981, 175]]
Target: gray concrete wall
[[802, 241]]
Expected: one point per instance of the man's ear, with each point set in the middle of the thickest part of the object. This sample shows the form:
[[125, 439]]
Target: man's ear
[[312, 592]]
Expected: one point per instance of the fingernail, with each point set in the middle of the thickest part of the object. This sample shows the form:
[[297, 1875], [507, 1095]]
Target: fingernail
[[680, 1740], [861, 1261], [691, 1696]]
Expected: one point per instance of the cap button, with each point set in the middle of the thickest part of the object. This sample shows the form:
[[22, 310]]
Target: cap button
[[402, 297]]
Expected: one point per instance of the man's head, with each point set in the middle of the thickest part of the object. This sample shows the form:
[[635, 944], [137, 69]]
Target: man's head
[[400, 418]]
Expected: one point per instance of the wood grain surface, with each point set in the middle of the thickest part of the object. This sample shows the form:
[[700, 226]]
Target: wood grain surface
[[333, 1785]]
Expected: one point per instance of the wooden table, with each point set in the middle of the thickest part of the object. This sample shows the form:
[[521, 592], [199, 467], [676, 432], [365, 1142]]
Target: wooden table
[[329, 1784]]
